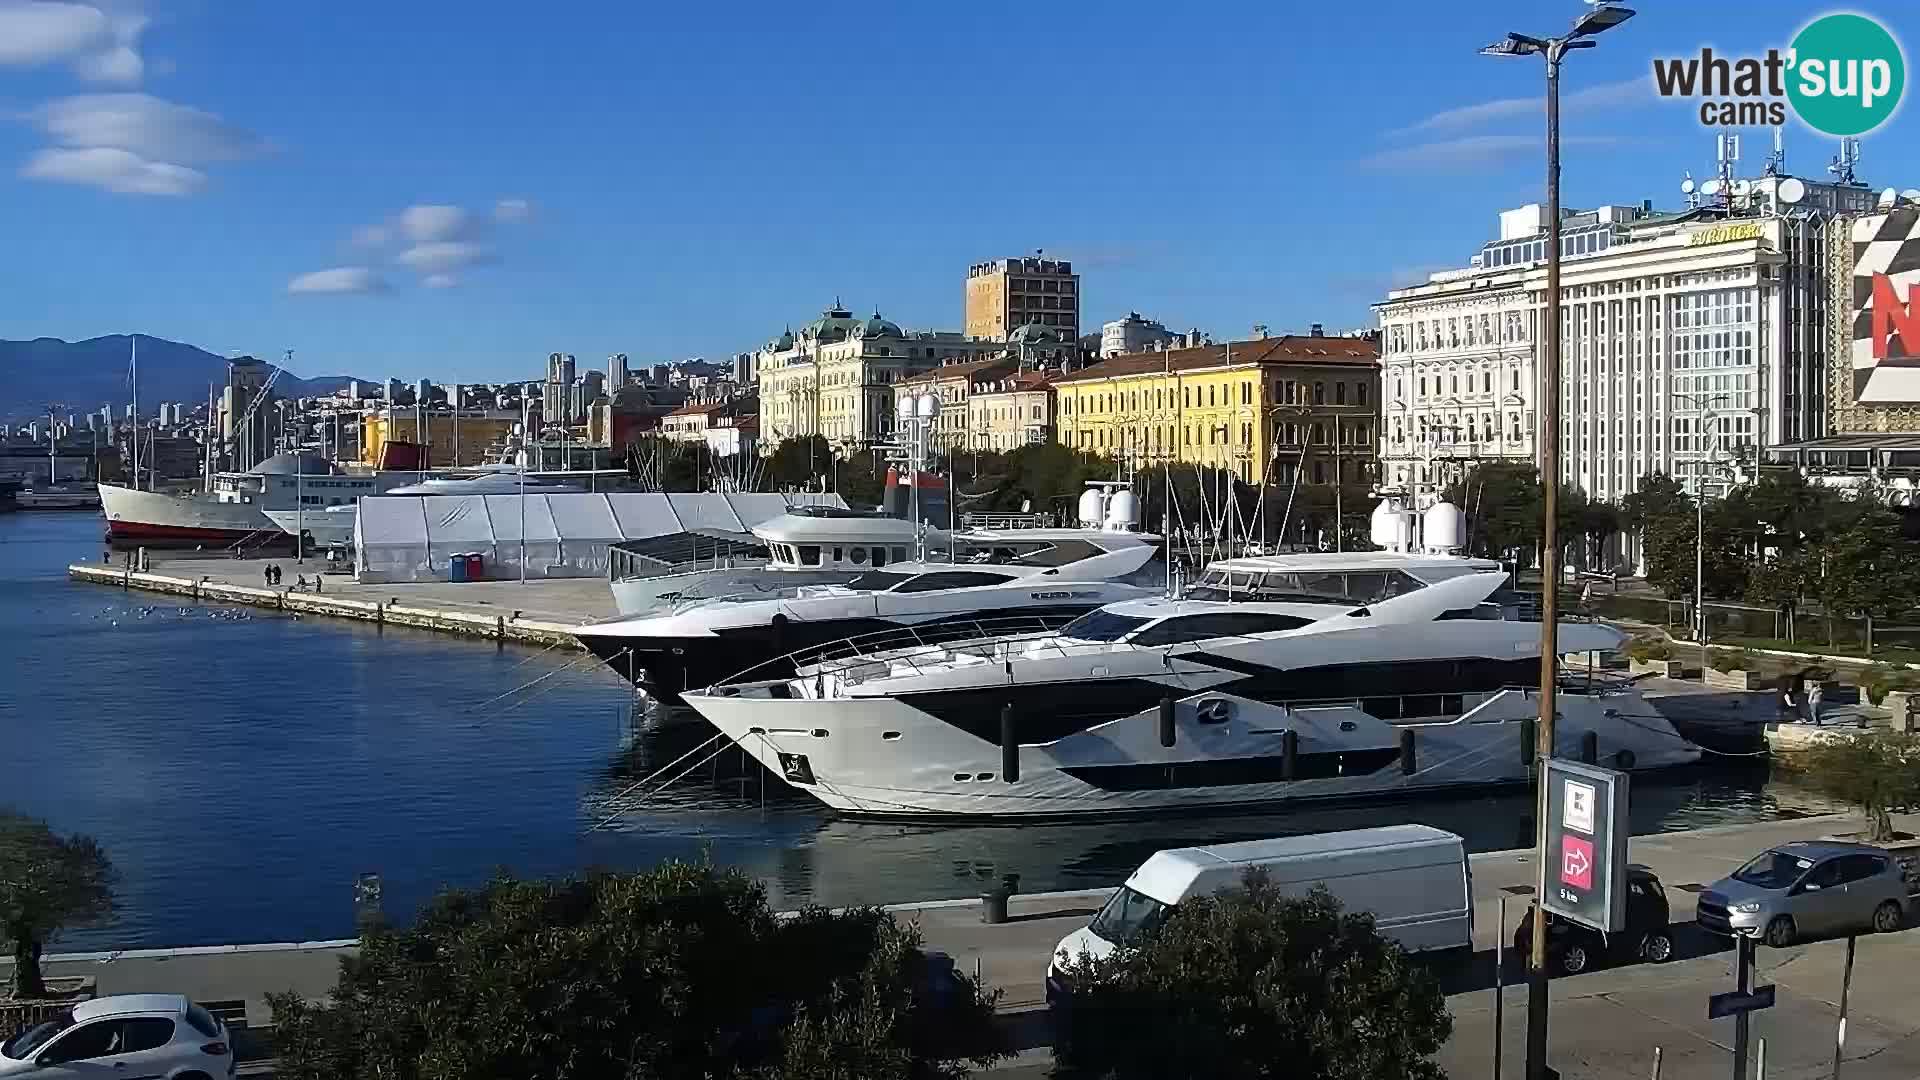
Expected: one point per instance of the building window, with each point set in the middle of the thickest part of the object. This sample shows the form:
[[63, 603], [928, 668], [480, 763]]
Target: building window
[[1246, 393], [1339, 393], [1360, 392], [1319, 393]]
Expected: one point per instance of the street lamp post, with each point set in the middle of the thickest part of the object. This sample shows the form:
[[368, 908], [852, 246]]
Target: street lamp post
[[1704, 404], [1597, 18]]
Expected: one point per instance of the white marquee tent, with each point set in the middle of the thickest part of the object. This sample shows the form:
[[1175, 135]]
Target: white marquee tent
[[565, 535]]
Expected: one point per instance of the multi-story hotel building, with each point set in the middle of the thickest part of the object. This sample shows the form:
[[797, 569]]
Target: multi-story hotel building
[[836, 376], [1261, 408], [1687, 338], [1008, 410], [1006, 294]]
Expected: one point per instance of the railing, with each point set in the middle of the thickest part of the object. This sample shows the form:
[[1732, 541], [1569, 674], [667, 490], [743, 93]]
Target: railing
[[901, 643]]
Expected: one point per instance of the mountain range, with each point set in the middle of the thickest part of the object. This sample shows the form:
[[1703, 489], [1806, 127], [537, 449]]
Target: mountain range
[[84, 375]]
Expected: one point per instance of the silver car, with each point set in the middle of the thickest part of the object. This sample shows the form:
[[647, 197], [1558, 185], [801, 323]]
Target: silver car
[[124, 1037], [1808, 889]]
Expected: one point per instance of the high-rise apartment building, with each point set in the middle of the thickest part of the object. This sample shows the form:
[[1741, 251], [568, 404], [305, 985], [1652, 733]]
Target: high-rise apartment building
[[1006, 294], [617, 373], [556, 398]]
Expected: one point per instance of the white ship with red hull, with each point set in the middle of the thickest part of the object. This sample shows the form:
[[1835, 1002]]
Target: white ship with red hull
[[235, 510]]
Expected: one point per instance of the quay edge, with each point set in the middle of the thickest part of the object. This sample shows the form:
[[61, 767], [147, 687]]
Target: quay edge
[[415, 616]]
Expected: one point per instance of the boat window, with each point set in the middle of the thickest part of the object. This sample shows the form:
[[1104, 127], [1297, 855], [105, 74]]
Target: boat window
[[859, 555], [877, 581], [809, 554], [1102, 626], [1054, 553], [1216, 624], [1128, 913], [950, 579]]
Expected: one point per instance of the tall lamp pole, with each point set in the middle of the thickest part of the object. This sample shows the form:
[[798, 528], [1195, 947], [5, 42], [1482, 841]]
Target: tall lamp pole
[[1597, 18], [1704, 404]]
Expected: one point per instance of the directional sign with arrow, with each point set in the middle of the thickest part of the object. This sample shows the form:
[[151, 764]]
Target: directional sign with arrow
[[1587, 835]]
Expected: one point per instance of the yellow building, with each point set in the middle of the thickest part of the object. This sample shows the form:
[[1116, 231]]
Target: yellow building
[[477, 438], [1261, 408], [1008, 412]]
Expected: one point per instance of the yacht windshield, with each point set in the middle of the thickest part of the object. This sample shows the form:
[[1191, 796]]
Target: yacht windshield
[[877, 581], [1128, 913], [1773, 870], [1102, 626], [1354, 587]]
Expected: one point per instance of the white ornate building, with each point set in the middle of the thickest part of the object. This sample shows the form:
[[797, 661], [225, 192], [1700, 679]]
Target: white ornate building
[[836, 376], [1688, 340]]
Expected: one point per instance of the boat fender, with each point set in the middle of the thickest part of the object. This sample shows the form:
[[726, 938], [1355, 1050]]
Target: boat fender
[[1590, 747], [1009, 746], [1623, 760], [1166, 720], [1408, 755]]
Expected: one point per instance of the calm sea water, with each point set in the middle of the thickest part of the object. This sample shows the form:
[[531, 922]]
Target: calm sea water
[[243, 769]]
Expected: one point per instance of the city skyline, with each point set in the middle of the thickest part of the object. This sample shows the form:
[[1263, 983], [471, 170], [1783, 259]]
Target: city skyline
[[457, 198]]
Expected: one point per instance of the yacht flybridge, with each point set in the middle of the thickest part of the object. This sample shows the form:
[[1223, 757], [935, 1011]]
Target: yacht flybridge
[[1279, 680]]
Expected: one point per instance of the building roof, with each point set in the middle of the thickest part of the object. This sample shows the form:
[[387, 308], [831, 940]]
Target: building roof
[[1025, 381], [1288, 349], [966, 369]]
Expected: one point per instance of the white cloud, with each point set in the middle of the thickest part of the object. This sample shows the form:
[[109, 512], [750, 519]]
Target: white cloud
[[1602, 95], [35, 31], [340, 279], [440, 281], [443, 256], [1473, 152], [426, 224], [512, 211], [121, 62], [149, 126], [115, 170]]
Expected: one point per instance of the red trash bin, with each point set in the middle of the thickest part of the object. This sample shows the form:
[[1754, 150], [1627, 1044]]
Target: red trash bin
[[475, 567]]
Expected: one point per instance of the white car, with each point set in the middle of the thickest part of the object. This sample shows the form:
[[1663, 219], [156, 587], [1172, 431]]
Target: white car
[[162, 1036]]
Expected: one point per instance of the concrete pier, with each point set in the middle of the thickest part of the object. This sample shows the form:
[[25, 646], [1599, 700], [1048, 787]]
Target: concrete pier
[[1605, 1024], [540, 612]]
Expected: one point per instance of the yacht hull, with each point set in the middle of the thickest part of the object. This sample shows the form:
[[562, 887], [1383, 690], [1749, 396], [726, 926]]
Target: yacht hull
[[667, 667], [885, 758]]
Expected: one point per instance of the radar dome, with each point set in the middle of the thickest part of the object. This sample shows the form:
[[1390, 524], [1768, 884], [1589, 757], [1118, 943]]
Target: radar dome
[[1442, 527], [1389, 526], [1123, 510], [1093, 508]]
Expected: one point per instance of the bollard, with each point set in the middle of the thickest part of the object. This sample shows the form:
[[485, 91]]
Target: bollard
[[1407, 764], [1009, 746], [1590, 747], [993, 905], [1166, 720], [1289, 754]]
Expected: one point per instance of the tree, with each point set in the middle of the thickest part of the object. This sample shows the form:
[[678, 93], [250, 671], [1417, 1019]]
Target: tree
[[1503, 505], [1868, 569], [1656, 497], [1877, 771], [1673, 544], [48, 883], [679, 971], [1256, 983]]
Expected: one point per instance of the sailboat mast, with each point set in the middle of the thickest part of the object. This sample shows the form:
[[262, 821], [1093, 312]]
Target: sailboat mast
[[133, 437]]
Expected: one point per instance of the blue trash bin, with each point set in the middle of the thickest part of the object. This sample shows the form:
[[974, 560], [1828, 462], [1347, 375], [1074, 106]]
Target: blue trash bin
[[456, 567]]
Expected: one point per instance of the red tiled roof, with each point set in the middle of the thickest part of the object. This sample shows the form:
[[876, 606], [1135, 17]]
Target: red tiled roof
[[960, 370], [1290, 349]]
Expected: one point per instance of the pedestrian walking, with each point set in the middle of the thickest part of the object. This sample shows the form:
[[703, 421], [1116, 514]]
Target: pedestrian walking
[[266, 574], [1814, 693]]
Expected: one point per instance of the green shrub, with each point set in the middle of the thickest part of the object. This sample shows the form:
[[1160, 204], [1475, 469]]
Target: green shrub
[[1647, 649], [1726, 661]]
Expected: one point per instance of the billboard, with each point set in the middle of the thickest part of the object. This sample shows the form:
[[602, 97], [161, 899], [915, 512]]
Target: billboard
[[1586, 844], [1885, 350]]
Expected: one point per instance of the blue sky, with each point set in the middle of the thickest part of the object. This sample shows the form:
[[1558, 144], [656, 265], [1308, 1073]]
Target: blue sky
[[677, 180]]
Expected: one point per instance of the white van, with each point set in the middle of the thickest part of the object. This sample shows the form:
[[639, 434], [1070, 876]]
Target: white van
[[1414, 879]]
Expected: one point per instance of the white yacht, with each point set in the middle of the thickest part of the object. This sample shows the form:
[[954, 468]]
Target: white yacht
[[808, 545], [1289, 678], [1046, 577]]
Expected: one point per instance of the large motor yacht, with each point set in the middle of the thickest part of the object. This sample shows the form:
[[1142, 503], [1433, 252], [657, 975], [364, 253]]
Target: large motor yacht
[[1046, 577], [1280, 680]]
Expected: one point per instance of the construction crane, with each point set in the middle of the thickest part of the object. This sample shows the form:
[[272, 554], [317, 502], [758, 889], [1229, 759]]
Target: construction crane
[[245, 423]]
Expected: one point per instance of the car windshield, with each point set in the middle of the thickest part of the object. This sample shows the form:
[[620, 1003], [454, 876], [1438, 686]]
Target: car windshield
[[1102, 626], [1128, 913], [23, 1045], [1773, 870]]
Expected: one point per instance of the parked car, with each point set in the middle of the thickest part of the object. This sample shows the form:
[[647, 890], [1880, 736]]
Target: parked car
[[1573, 948], [1803, 889], [124, 1035]]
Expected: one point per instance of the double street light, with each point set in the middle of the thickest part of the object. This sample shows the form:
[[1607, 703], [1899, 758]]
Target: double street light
[[1597, 18]]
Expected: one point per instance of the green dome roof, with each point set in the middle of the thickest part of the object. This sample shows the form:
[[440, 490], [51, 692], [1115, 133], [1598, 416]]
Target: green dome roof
[[834, 324], [879, 327]]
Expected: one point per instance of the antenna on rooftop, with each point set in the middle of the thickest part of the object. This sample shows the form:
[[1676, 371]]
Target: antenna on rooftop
[[1687, 189], [1843, 162], [1729, 145]]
